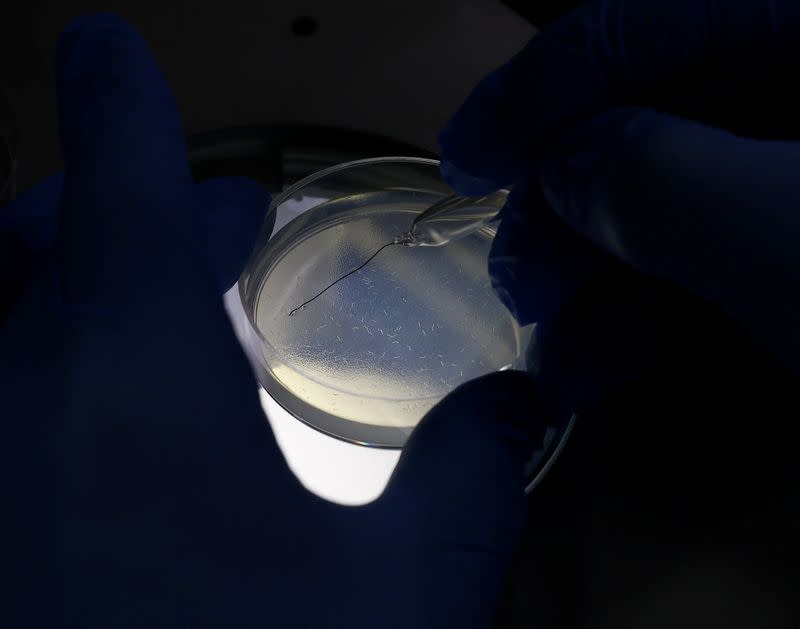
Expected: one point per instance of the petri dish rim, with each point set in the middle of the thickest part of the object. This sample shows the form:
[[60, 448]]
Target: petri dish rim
[[379, 439], [303, 183]]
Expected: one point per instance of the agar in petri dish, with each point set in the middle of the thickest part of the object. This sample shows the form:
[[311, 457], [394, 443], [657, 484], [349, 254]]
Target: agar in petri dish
[[370, 356], [385, 344]]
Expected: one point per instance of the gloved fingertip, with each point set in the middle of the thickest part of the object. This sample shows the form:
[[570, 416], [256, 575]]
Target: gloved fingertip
[[479, 147], [503, 279], [464, 183], [234, 211], [554, 179], [74, 56], [570, 173], [537, 263], [499, 418], [566, 183], [510, 401]]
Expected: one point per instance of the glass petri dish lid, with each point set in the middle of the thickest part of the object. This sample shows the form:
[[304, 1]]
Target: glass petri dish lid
[[370, 356]]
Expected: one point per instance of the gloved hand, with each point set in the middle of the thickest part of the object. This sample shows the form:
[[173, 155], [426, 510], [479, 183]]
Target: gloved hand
[[142, 486], [658, 133]]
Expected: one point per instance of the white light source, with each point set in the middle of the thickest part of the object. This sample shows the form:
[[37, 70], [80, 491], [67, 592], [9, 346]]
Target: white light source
[[336, 470], [333, 469]]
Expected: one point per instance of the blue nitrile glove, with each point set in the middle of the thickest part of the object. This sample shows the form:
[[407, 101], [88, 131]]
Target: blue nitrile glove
[[142, 486], [658, 132]]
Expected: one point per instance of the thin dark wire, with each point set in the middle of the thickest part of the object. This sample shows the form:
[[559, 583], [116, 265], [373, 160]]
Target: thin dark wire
[[356, 270]]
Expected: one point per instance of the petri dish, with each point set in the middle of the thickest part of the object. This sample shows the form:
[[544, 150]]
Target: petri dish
[[370, 356]]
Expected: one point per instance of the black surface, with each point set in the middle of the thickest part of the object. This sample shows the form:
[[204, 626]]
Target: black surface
[[304, 26], [279, 155], [8, 148], [675, 503], [541, 12]]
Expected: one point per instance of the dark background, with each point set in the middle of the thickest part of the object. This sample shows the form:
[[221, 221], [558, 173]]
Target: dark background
[[393, 69], [675, 502]]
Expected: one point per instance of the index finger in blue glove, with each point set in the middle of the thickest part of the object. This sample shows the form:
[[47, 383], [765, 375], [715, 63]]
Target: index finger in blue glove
[[603, 54], [128, 229], [713, 212], [537, 262], [230, 211], [145, 315]]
